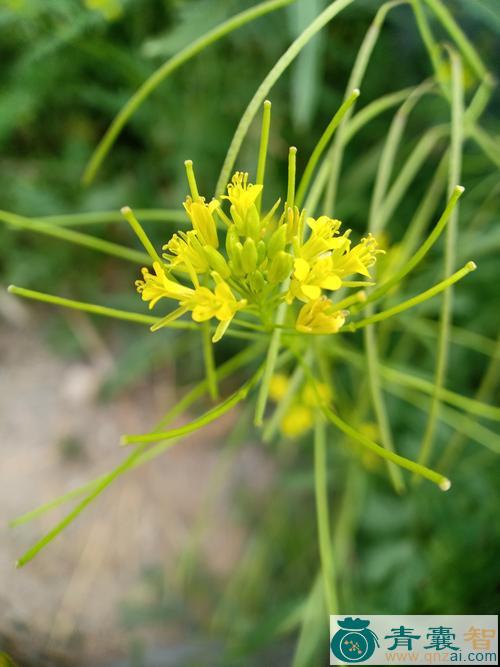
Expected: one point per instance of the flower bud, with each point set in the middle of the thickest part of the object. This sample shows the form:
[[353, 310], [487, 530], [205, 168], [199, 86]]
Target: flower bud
[[256, 281], [277, 241], [217, 261], [236, 261], [261, 252], [253, 223], [232, 239], [239, 222], [281, 267], [249, 256]]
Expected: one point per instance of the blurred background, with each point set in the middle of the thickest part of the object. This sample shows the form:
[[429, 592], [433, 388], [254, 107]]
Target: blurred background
[[186, 560]]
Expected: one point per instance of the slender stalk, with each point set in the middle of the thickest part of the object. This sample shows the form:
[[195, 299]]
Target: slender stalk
[[224, 370], [191, 179], [355, 80], [372, 110], [419, 255], [275, 342], [93, 217], [86, 240], [195, 425], [114, 312], [410, 303], [322, 144], [465, 46], [292, 170], [92, 307], [486, 387], [264, 141], [380, 407], [208, 357], [164, 71], [375, 226], [396, 376], [272, 356], [322, 515], [455, 168], [129, 216], [433, 476], [410, 170], [422, 216], [263, 90]]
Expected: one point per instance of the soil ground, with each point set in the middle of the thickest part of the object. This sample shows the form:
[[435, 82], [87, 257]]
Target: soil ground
[[55, 436]]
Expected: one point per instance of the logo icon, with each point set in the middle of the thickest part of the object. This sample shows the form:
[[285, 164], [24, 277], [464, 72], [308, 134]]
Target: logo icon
[[354, 642]]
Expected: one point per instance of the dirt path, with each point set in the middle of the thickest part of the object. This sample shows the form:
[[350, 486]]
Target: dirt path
[[67, 599]]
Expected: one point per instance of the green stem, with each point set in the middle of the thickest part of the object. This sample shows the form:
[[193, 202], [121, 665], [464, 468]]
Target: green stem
[[358, 71], [372, 110], [193, 187], [272, 356], [129, 216], [292, 170], [86, 240], [225, 370], [114, 312], [442, 481], [379, 406], [264, 141], [322, 144], [93, 217], [322, 514], [411, 168], [468, 51], [195, 425], [164, 71], [263, 90], [275, 341], [419, 255], [410, 303], [455, 168], [208, 356]]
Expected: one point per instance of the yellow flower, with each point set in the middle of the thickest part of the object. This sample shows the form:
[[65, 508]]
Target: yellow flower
[[309, 279], [320, 317], [186, 252], [262, 255], [278, 386], [201, 216], [297, 420], [358, 259], [220, 303], [323, 238], [155, 286], [320, 393], [241, 193]]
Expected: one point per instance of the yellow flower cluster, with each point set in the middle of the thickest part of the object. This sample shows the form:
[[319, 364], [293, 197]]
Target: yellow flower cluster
[[301, 413], [267, 259]]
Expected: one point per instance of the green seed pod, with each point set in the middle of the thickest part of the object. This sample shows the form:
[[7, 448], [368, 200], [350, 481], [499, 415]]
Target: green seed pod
[[217, 262], [280, 268], [256, 281], [277, 241], [249, 256]]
